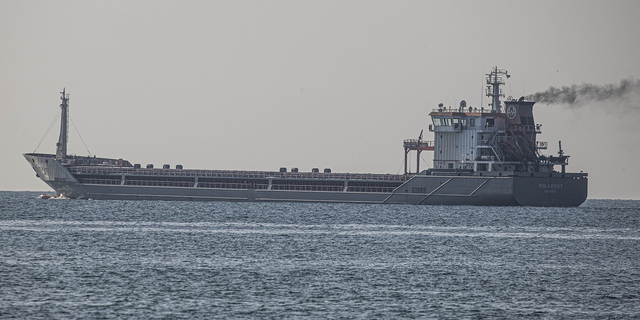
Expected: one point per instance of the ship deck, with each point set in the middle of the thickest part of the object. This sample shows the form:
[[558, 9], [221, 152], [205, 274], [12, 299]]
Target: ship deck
[[235, 173], [236, 179]]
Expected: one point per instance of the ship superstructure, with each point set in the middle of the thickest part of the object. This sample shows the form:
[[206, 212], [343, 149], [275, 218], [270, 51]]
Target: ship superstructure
[[502, 138], [481, 157]]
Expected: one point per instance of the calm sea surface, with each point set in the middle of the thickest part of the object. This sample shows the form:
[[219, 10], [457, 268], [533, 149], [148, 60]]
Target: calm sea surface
[[143, 259]]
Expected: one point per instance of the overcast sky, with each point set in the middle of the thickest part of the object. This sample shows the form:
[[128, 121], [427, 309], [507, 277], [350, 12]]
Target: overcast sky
[[259, 85]]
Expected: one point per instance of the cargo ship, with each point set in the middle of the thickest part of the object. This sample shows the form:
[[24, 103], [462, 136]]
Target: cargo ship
[[483, 157]]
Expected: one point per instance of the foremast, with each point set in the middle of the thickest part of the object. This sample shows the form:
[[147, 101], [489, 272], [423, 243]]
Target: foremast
[[61, 146]]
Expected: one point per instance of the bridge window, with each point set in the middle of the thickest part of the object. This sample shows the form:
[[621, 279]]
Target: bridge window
[[490, 123], [472, 122], [437, 122]]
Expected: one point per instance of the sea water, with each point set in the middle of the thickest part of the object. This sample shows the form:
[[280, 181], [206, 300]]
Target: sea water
[[62, 258]]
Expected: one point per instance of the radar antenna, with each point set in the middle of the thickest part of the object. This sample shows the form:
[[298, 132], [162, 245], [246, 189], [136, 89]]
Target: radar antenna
[[494, 81]]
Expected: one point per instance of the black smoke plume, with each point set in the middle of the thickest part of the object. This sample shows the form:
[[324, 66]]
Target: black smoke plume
[[628, 91]]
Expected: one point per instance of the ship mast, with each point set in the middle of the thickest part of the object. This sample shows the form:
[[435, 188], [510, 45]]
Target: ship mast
[[494, 81], [61, 146]]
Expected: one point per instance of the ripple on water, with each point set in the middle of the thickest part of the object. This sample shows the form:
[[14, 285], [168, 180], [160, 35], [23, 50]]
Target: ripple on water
[[115, 259]]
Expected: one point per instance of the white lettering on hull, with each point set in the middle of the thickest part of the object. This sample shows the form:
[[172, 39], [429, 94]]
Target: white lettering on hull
[[550, 186]]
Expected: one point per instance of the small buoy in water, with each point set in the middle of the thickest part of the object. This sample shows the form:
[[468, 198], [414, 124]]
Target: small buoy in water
[[46, 196]]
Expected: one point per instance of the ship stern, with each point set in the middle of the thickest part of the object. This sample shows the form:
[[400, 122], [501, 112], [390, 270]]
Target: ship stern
[[551, 190]]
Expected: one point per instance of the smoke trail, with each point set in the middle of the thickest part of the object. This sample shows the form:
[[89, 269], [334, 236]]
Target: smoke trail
[[627, 92]]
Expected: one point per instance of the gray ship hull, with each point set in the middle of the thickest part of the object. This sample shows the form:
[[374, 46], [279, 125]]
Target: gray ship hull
[[516, 189]]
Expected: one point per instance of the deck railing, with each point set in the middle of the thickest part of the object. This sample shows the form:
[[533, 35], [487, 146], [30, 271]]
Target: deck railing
[[237, 174]]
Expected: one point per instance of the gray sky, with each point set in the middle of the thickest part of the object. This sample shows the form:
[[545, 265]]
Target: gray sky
[[258, 85]]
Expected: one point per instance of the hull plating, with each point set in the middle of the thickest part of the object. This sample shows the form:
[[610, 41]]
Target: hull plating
[[555, 190], [507, 191]]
